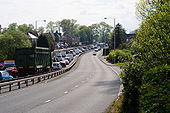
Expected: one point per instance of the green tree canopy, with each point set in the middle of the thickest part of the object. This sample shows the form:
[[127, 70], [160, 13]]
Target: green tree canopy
[[10, 40], [120, 37], [46, 40], [69, 26], [101, 31], [50, 27], [85, 34]]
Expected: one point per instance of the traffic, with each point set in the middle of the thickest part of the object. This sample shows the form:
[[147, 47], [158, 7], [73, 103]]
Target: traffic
[[31, 62]]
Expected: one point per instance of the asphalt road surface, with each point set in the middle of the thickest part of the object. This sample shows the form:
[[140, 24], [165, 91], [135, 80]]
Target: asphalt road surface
[[90, 88]]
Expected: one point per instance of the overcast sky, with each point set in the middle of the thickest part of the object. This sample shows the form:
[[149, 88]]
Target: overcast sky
[[86, 12]]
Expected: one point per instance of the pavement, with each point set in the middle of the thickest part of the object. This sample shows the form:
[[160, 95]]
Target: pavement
[[116, 69]]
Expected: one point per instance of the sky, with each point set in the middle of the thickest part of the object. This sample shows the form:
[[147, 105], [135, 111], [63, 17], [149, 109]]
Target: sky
[[86, 12]]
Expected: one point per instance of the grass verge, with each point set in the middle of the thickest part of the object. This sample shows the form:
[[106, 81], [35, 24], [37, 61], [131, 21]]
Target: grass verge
[[116, 105]]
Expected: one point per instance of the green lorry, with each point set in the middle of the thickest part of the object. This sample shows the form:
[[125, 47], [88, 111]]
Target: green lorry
[[30, 61]]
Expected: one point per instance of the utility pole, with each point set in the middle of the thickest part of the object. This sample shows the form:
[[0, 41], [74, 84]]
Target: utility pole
[[36, 23]]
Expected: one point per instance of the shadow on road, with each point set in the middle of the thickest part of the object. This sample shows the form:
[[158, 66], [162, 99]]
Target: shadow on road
[[109, 87]]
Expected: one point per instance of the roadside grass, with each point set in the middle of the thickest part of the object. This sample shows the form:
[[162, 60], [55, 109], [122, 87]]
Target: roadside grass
[[116, 105]]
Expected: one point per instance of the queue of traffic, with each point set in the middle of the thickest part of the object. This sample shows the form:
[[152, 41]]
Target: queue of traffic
[[60, 60]]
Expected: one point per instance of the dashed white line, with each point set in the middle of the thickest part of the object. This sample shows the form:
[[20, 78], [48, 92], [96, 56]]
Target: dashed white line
[[65, 92], [76, 86], [47, 101]]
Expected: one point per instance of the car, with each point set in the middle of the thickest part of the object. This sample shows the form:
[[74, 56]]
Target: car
[[63, 63], [56, 66], [77, 51], [70, 55], [63, 53], [12, 71], [74, 54], [94, 53], [96, 50], [68, 58], [4, 75], [58, 59], [66, 61], [2, 67]]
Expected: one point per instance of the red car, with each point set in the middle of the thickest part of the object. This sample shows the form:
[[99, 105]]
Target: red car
[[12, 71], [63, 64], [2, 67]]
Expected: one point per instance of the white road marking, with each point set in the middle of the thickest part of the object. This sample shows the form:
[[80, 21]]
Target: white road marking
[[76, 86], [47, 101], [65, 92]]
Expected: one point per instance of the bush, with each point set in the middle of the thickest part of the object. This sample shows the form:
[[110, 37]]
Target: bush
[[119, 56], [131, 78], [154, 91]]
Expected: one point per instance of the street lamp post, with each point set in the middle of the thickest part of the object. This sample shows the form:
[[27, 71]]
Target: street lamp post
[[36, 23], [114, 47]]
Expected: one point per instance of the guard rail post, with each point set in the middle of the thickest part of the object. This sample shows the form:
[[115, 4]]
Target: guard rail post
[[32, 81], [10, 87], [19, 85], [39, 79], [26, 82]]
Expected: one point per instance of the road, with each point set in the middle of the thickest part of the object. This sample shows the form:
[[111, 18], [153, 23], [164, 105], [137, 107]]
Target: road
[[90, 88]]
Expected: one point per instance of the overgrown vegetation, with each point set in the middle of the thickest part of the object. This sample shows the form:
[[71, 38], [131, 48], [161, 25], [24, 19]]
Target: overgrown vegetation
[[116, 106], [146, 80], [119, 56]]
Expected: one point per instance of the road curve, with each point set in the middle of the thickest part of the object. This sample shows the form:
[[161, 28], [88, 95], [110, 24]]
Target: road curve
[[89, 89]]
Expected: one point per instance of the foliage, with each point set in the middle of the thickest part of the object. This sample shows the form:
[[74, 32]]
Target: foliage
[[46, 40], [120, 37], [101, 31], [50, 27], [40, 30], [155, 90], [10, 40], [119, 56], [23, 28], [148, 7], [131, 77], [69, 26], [146, 80], [85, 34]]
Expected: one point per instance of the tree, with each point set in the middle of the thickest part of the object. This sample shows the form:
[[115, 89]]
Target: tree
[[50, 27], [148, 7], [11, 40], [13, 26], [120, 37], [69, 26], [41, 30], [26, 28], [101, 31], [46, 40], [95, 31], [85, 34]]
